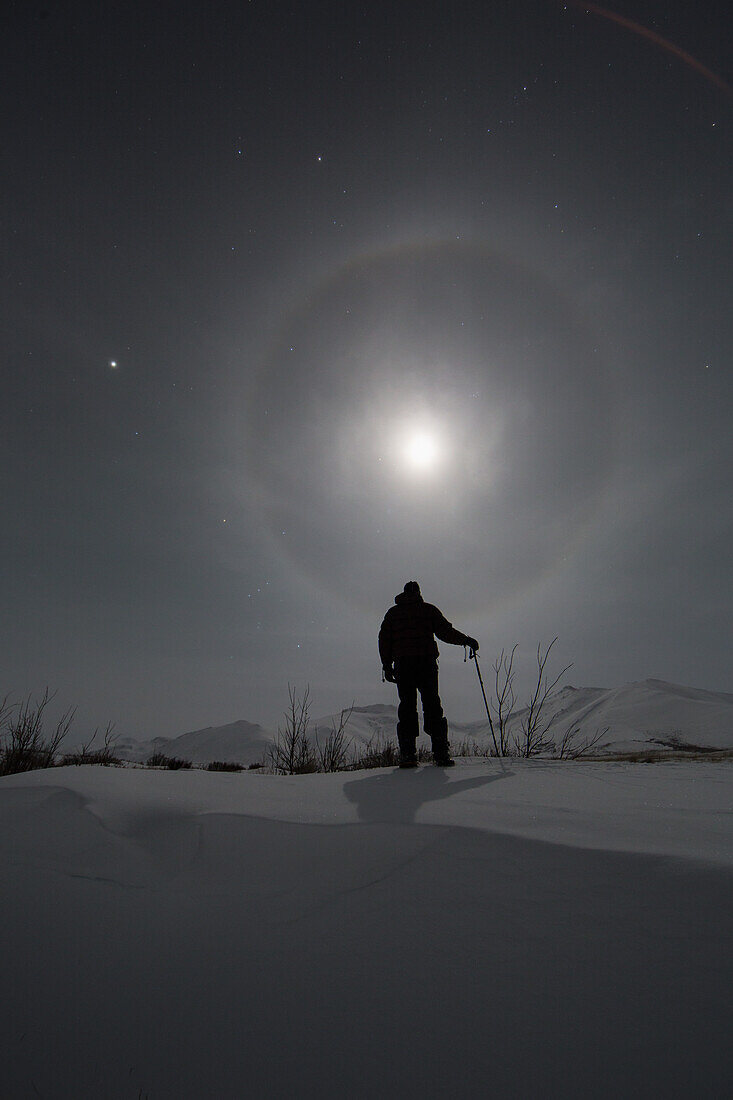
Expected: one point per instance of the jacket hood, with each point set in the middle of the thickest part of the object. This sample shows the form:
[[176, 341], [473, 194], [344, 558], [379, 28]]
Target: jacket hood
[[405, 597]]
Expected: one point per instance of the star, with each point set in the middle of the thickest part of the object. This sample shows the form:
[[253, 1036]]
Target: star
[[113, 364]]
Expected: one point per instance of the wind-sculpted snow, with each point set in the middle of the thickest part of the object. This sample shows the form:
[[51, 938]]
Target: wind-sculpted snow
[[517, 930]]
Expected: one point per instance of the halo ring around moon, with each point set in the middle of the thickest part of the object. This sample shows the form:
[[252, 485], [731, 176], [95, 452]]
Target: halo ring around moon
[[378, 325]]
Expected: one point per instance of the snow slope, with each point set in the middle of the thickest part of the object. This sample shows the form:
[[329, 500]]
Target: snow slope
[[637, 715], [241, 742], [647, 714], [508, 929], [650, 712]]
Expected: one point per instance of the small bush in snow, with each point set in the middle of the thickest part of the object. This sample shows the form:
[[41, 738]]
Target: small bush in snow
[[333, 754], [535, 725], [532, 737], [379, 753], [570, 747], [23, 744], [175, 762], [292, 753], [160, 760], [470, 747], [102, 755], [224, 766]]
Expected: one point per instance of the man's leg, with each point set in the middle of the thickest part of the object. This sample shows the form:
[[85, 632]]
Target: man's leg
[[407, 724], [434, 722]]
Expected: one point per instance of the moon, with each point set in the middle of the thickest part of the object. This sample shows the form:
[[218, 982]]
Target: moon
[[421, 451]]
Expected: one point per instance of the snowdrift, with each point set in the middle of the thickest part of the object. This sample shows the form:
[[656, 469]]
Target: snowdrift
[[509, 929]]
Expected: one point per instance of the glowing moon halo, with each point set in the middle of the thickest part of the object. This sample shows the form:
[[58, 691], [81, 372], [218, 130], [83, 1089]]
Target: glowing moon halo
[[421, 451], [373, 458]]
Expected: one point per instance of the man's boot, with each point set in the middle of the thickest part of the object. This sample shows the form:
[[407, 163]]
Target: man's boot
[[408, 754], [441, 754], [441, 748]]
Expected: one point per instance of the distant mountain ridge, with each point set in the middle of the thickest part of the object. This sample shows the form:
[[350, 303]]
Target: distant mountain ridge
[[640, 715], [241, 742]]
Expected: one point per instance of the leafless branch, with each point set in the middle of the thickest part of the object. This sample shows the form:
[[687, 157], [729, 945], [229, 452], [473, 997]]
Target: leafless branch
[[333, 754], [89, 755], [292, 753], [536, 724], [505, 697], [25, 747], [571, 749]]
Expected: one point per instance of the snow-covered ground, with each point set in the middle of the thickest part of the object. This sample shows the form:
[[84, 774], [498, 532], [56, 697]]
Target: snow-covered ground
[[504, 929], [641, 715]]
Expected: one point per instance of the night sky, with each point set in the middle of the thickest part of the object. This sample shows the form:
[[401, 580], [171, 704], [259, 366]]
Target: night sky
[[302, 301]]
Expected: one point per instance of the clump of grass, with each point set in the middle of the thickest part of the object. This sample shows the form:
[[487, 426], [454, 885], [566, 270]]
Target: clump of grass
[[100, 756], [381, 753], [469, 746], [652, 756], [677, 743], [224, 766], [377, 753], [173, 763]]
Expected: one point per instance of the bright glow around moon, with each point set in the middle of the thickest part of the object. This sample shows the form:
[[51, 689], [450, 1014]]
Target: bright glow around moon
[[421, 451]]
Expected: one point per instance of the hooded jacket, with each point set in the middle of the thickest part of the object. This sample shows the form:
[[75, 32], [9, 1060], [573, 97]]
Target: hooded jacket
[[410, 627]]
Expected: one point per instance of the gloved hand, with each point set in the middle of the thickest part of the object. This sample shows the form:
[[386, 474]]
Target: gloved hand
[[472, 644], [388, 674]]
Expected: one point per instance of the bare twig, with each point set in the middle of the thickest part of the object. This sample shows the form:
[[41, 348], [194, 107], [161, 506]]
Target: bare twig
[[333, 754], [25, 747], [292, 753], [571, 749], [89, 755], [535, 725], [505, 697]]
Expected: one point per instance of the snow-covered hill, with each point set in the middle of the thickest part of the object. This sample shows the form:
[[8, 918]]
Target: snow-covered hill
[[647, 714], [650, 712], [378, 723], [505, 929], [241, 742]]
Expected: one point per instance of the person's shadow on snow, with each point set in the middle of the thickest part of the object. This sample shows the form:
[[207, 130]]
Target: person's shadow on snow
[[396, 796]]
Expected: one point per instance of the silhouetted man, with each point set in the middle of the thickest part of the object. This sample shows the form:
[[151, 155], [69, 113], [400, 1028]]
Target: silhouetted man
[[410, 659]]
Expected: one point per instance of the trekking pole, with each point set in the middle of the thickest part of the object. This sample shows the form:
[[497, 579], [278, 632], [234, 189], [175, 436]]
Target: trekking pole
[[488, 712]]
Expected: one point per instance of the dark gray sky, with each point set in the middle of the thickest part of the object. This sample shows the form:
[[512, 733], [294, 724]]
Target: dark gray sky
[[254, 250]]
